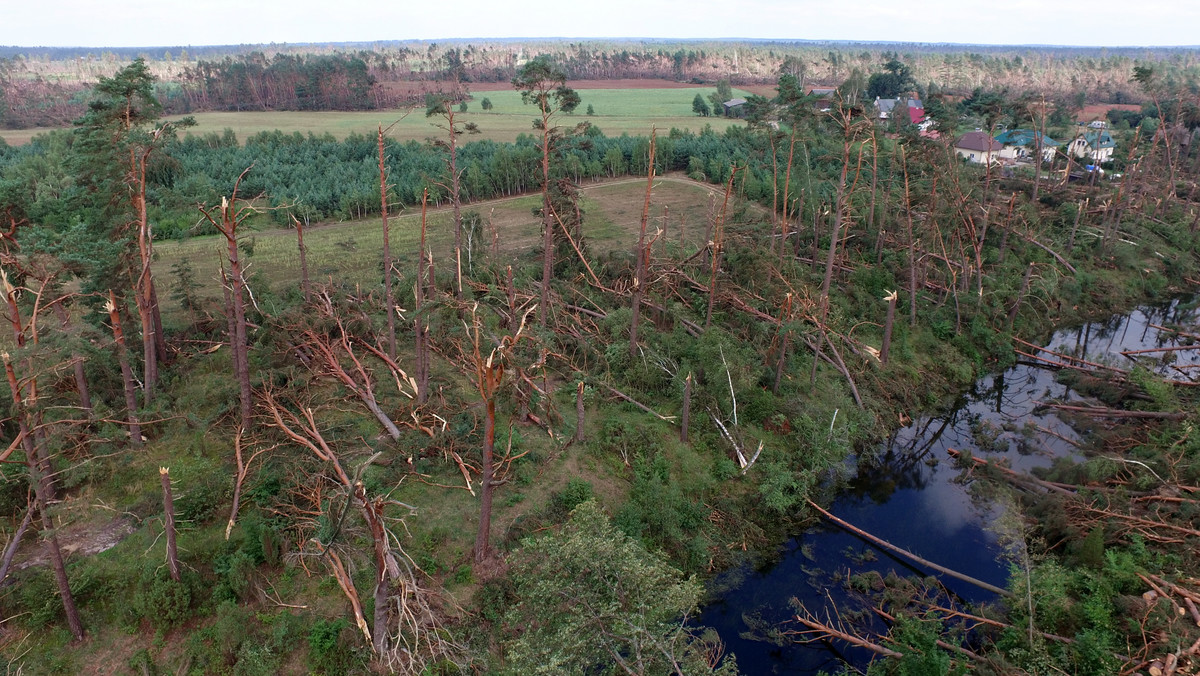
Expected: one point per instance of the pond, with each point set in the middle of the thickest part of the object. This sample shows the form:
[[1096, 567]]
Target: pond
[[910, 493]]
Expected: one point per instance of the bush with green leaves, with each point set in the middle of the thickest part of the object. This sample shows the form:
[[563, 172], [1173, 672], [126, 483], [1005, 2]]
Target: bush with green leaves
[[590, 597]]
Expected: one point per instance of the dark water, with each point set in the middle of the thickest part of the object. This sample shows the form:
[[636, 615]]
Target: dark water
[[907, 493]]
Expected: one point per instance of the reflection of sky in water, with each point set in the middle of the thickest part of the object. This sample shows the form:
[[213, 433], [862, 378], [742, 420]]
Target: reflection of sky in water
[[908, 494]]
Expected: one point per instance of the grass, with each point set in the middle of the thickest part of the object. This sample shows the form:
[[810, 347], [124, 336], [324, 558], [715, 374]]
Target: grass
[[350, 251], [618, 111]]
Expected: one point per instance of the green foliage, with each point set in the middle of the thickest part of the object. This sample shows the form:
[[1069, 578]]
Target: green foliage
[[590, 595], [330, 647]]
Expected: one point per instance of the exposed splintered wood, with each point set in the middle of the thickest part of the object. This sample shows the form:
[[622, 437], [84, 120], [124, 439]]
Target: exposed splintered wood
[[887, 327], [909, 555], [164, 474]]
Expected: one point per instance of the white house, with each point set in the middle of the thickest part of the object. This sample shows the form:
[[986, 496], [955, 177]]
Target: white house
[[978, 147], [1023, 143], [1097, 146]]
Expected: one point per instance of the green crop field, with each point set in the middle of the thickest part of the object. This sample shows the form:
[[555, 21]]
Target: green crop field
[[350, 252], [618, 111]]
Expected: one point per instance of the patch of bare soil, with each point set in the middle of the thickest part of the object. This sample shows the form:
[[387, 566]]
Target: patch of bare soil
[[82, 539], [1099, 111]]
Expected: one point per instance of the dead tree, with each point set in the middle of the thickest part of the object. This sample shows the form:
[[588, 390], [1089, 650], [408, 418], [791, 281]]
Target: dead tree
[[164, 474], [239, 477], [421, 333], [643, 256], [405, 632], [441, 106], [228, 222], [716, 245], [489, 372], [388, 302], [303, 250]]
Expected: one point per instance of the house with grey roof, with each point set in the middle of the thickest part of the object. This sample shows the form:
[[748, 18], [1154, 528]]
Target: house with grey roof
[[978, 147]]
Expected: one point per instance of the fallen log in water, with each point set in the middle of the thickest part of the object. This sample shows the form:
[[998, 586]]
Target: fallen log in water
[[1062, 489], [1103, 412], [909, 555]]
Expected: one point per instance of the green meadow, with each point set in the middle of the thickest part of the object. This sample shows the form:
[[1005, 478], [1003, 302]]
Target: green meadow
[[617, 111]]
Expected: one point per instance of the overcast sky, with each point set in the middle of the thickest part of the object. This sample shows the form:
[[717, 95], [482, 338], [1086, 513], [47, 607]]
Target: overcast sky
[[143, 23]]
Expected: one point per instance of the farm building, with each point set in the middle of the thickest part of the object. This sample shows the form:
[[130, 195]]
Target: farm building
[[735, 107]]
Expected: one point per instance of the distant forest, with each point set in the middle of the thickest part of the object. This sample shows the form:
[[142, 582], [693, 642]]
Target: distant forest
[[49, 86]]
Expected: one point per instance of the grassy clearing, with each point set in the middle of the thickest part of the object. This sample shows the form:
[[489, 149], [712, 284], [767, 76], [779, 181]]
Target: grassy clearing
[[618, 111], [350, 251]]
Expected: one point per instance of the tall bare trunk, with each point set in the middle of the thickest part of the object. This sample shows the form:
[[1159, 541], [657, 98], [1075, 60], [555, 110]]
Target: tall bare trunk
[[483, 535], [114, 318], [643, 254], [717, 242], [547, 220], [389, 304], [418, 320], [303, 250], [579, 416], [685, 415], [169, 522]]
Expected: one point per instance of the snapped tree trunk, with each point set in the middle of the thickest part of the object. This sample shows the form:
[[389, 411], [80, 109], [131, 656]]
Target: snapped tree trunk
[[164, 474], [304, 286], [387, 254], [639, 278], [579, 414], [114, 318], [685, 415]]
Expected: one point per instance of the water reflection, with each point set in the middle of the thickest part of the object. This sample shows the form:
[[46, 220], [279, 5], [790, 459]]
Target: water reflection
[[907, 491]]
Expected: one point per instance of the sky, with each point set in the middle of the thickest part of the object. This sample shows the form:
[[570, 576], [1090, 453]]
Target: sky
[[146, 23]]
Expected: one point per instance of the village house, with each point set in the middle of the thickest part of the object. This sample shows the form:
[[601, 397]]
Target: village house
[[1097, 146], [735, 108], [822, 96], [1023, 143], [978, 147]]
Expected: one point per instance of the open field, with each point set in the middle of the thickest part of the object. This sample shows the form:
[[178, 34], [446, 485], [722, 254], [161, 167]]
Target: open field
[[350, 251], [618, 111]]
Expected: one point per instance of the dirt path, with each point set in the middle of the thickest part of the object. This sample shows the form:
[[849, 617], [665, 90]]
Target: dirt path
[[84, 538]]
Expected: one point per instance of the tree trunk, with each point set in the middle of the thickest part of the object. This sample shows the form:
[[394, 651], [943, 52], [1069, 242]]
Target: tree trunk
[[685, 415], [135, 428], [485, 486], [639, 278], [1012, 314], [579, 414], [238, 344], [387, 255], [54, 553], [547, 220], [718, 236], [418, 320], [81, 385], [457, 203], [887, 328], [169, 523], [304, 286], [144, 282]]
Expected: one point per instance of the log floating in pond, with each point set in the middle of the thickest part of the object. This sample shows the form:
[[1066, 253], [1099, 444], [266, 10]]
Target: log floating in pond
[[909, 555]]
